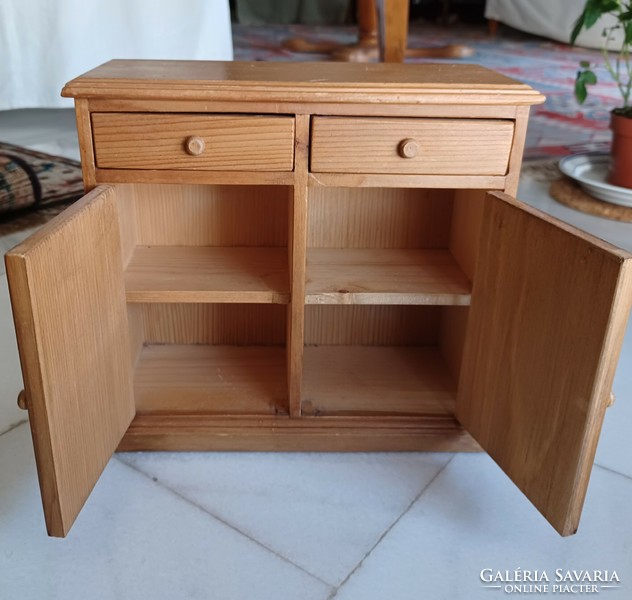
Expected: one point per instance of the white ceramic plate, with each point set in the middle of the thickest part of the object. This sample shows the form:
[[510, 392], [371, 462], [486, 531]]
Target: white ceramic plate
[[591, 171]]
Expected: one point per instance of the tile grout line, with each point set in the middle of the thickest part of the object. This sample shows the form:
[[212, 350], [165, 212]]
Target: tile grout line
[[389, 529], [14, 426], [613, 471], [228, 524]]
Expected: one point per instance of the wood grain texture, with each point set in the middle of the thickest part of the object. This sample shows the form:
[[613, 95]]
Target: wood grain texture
[[68, 298], [207, 274], [86, 148], [445, 146], [374, 325], [301, 82], [161, 141], [517, 150], [297, 251], [467, 219], [171, 176], [369, 276], [216, 324], [181, 432], [211, 380], [379, 180], [211, 215], [544, 333], [378, 218], [387, 380], [452, 331], [456, 110]]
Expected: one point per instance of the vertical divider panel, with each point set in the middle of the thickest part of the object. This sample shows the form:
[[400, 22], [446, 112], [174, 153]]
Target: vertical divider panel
[[126, 211], [517, 150], [86, 147], [297, 263]]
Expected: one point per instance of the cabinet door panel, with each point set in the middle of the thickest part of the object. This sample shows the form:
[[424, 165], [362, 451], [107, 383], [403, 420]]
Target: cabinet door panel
[[66, 284], [547, 319]]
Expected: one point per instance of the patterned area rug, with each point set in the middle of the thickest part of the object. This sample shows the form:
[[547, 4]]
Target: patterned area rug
[[34, 187]]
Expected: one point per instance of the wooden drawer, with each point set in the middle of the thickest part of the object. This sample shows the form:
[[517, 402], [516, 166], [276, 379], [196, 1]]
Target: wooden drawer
[[193, 142], [411, 146]]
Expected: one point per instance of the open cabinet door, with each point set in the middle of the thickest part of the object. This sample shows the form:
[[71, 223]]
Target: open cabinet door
[[66, 285], [547, 319]]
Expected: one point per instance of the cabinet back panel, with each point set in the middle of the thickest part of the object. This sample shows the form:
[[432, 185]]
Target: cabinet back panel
[[379, 218], [373, 325], [218, 324], [211, 215]]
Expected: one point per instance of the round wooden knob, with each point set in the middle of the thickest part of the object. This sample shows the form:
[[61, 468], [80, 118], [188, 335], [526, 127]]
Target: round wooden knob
[[408, 148], [22, 400], [195, 145]]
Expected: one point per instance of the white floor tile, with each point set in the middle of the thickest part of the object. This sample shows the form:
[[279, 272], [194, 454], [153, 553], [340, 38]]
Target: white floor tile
[[615, 446], [472, 518], [322, 511], [133, 540], [10, 373]]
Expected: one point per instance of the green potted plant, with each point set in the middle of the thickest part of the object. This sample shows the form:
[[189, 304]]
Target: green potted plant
[[616, 49]]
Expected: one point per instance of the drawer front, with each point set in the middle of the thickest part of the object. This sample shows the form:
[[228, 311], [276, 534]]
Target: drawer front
[[411, 146], [193, 142]]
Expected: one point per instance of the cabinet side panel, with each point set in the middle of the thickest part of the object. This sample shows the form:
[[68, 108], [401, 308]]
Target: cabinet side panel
[[467, 218]]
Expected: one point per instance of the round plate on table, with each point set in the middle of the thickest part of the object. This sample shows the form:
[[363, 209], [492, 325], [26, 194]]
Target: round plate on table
[[590, 170]]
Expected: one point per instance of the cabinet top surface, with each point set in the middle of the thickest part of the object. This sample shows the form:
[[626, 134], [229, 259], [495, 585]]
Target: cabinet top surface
[[300, 82]]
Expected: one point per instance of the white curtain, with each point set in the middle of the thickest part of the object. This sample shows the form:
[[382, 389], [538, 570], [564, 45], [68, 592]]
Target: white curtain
[[45, 43], [553, 19]]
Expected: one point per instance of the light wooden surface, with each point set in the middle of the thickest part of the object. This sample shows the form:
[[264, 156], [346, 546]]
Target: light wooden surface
[[544, 334], [193, 142], [387, 380], [211, 215], [378, 276], [66, 284], [372, 325], [301, 82], [207, 274], [211, 379], [445, 146], [285, 263], [298, 249], [387, 217], [428, 433], [218, 324]]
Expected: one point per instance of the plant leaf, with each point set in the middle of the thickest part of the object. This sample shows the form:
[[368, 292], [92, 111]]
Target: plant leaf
[[583, 79], [579, 25]]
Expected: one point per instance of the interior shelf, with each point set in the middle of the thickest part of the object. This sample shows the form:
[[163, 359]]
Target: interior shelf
[[208, 274], [378, 276], [235, 380], [376, 380]]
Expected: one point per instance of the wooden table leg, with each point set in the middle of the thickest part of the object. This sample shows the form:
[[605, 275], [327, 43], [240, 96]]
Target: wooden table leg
[[389, 19], [364, 50]]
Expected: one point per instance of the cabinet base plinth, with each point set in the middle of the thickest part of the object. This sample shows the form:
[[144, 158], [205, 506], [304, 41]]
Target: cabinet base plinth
[[307, 434]]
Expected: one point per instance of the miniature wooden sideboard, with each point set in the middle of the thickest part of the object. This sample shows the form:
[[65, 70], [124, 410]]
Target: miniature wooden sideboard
[[277, 256]]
